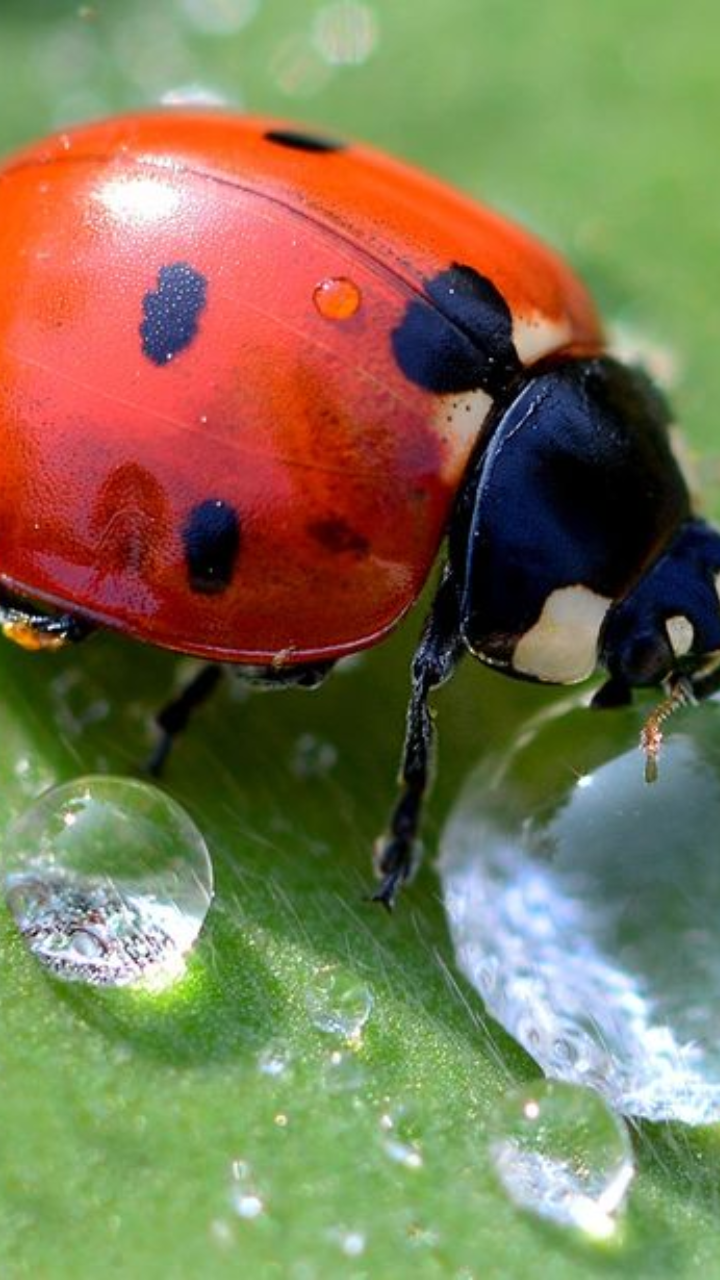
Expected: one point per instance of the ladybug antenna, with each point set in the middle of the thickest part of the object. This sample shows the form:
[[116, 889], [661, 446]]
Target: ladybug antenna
[[680, 694]]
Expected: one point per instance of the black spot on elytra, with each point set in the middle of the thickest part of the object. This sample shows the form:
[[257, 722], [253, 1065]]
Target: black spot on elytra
[[171, 312], [211, 539], [459, 337], [335, 535], [299, 141]]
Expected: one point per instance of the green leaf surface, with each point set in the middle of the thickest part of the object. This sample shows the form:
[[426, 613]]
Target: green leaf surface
[[127, 1119]]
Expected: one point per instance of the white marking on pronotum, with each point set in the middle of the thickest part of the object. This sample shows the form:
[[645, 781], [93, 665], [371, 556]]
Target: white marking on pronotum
[[561, 648], [536, 336], [459, 419], [681, 634]]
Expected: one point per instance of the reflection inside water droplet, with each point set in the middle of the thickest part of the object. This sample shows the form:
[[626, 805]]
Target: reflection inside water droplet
[[109, 882], [584, 907], [560, 1153]]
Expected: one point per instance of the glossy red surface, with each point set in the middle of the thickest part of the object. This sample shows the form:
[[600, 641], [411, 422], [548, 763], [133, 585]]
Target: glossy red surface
[[287, 405]]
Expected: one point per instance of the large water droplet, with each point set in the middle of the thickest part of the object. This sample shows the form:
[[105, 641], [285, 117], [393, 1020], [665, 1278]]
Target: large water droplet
[[561, 1154], [109, 882], [584, 907]]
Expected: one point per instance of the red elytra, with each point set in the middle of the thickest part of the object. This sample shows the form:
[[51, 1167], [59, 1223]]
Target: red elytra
[[281, 403]]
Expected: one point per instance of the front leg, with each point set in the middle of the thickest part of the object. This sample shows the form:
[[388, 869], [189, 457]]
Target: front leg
[[436, 657]]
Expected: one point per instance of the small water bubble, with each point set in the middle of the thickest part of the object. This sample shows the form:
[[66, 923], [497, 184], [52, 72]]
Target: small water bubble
[[77, 702], [338, 1003], [245, 1198], [423, 1237], [109, 882], [221, 1233], [344, 1073], [275, 1060], [195, 94], [345, 32], [219, 17], [297, 68], [403, 1153], [560, 1153], [312, 758], [351, 1243], [399, 1126]]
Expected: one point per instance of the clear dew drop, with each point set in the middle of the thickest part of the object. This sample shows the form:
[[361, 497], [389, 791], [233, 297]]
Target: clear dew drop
[[561, 1154], [337, 1003], [584, 904], [246, 1201], [343, 1073], [312, 757], [400, 1139], [351, 1243], [345, 32], [276, 1061], [109, 882], [219, 17]]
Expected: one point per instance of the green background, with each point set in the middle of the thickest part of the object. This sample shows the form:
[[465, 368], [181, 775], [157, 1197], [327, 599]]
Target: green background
[[121, 1115]]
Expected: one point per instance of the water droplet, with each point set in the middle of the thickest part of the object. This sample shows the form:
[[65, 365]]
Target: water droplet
[[399, 1126], [297, 68], [219, 17], [221, 1233], [312, 758], [352, 1243], [572, 888], [561, 1153], [345, 32], [109, 882], [338, 1003], [275, 1060], [337, 298], [403, 1153], [195, 93], [77, 702], [344, 1073], [245, 1199]]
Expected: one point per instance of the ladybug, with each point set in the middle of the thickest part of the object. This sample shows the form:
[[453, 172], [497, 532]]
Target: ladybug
[[252, 378]]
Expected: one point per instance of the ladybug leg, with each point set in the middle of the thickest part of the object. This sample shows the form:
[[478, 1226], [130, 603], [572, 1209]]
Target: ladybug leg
[[436, 657], [31, 627], [174, 716]]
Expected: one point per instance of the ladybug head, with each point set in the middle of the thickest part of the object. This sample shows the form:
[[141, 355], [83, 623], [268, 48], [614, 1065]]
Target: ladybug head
[[668, 627]]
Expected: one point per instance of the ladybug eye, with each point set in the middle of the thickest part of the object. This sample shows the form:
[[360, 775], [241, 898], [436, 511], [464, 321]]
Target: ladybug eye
[[648, 659]]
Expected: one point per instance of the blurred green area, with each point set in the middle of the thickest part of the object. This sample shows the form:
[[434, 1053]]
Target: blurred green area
[[121, 1115]]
